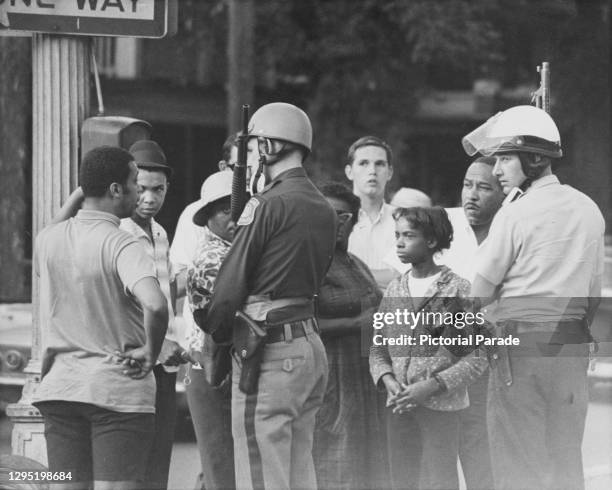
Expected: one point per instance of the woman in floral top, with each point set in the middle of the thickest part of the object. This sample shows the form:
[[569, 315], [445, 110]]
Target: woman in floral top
[[210, 406], [426, 384]]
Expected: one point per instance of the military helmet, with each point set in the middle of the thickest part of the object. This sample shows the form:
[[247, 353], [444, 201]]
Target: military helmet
[[523, 128], [282, 121]]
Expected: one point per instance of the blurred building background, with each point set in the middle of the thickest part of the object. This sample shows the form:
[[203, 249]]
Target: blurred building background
[[418, 73]]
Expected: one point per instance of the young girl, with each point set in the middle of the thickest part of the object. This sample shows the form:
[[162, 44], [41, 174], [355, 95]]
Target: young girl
[[426, 384]]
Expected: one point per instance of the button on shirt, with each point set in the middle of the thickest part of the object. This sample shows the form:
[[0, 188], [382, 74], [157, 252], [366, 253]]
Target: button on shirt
[[545, 250], [372, 241], [158, 250]]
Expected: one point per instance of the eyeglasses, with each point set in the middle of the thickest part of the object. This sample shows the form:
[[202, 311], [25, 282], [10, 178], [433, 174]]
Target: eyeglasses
[[344, 216]]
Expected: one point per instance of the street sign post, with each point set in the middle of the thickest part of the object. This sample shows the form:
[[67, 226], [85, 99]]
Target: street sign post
[[133, 18]]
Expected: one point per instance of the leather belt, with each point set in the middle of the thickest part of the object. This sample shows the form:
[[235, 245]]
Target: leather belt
[[567, 327], [288, 331]]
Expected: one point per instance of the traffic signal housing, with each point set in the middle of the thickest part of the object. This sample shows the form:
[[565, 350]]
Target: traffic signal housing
[[118, 131]]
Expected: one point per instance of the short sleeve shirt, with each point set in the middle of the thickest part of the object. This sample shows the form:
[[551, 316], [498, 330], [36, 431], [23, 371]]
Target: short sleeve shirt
[[88, 268], [158, 250], [545, 252]]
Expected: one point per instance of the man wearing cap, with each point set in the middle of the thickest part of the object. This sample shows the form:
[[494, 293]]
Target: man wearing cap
[[153, 178], [369, 168], [542, 265], [283, 247], [209, 391]]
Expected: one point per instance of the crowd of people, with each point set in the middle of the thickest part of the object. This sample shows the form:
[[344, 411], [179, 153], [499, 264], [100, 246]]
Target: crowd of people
[[292, 385]]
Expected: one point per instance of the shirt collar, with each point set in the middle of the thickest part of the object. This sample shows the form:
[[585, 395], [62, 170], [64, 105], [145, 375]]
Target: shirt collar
[[136, 230], [544, 181], [92, 214], [291, 173], [212, 236], [384, 209]]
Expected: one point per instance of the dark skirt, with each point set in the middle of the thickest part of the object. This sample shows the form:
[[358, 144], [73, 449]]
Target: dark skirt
[[349, 448]]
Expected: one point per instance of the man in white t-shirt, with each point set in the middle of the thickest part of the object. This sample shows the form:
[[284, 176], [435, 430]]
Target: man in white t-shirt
[[369, 168]]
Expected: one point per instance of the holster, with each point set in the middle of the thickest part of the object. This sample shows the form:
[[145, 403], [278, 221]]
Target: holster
[[249, 342], [221, 364]]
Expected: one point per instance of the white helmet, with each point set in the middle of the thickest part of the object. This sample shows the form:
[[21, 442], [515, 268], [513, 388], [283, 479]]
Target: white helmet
[[523, 128]]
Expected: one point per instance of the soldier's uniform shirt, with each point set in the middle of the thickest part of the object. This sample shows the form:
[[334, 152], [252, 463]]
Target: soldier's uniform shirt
[[282, 250], [545, 251]]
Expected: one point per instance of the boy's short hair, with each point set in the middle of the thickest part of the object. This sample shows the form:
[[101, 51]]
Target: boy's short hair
[[103, 166], [433, 222], [369, 141]]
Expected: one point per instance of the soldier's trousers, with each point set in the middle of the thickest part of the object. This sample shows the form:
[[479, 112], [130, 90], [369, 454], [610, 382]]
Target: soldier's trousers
[[536, 424], [273, 428]]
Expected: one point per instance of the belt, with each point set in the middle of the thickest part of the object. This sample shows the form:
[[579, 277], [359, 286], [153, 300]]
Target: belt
[[571, 327], [288, 331], [258, 306]]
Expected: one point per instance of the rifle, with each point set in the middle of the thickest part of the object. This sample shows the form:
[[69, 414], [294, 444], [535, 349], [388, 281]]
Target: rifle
[[239, 191], [541, 97]]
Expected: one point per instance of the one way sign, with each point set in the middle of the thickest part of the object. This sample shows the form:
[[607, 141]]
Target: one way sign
[[133, 18]]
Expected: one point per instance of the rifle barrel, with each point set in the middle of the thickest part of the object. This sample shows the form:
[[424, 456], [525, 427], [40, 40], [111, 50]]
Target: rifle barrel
[[239, 192]]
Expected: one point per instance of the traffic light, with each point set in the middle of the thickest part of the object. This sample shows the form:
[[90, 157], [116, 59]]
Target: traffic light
[[113, 131]]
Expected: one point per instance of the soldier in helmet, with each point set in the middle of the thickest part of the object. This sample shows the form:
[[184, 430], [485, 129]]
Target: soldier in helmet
[[283, 246], [541, 266]]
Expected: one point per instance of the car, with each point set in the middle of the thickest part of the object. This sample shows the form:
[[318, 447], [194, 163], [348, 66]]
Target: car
[[15, 349]]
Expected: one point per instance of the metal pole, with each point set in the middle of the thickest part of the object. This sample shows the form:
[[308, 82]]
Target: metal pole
[[60, 93]]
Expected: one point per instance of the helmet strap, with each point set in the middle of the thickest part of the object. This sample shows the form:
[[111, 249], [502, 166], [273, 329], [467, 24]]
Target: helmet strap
[[271, 151], [533, 165], [258, 174]]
